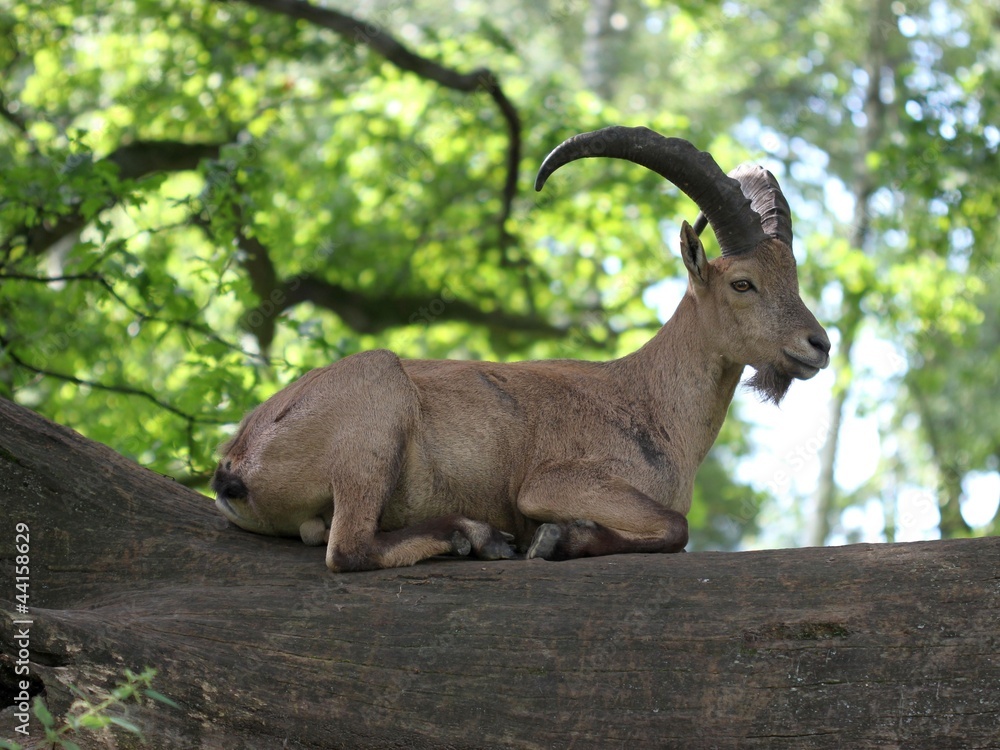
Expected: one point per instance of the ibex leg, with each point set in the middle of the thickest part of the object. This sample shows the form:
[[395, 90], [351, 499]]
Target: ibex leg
[[587, 511]]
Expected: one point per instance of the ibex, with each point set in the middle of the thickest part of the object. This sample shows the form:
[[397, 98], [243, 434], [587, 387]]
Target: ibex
[[406, 459]]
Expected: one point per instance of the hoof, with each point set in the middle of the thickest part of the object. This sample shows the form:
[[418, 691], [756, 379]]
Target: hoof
[[545, 541], [460, 545], [497, 549], [488, 543]]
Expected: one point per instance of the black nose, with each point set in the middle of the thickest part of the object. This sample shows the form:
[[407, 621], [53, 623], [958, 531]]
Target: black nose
[[820, 341]]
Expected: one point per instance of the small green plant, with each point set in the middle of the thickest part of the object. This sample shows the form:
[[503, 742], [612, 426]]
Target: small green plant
[[84, 714]]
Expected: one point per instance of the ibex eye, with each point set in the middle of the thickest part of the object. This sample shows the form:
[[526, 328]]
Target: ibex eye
[[742, 285]]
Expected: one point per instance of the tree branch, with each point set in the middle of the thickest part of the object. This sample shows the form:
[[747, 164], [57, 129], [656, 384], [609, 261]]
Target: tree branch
[[12, 117], [141, 315], [367, 314], [381, 41], [141, 158], [5, 346], [134, 160], [7, 74], [865, 646], [256, 261], [361, 312]]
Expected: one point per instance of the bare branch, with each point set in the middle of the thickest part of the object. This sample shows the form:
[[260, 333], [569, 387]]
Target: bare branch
[[141, 158]]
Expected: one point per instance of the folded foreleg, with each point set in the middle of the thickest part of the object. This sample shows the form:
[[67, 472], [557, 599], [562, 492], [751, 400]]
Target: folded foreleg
[[587, 511]]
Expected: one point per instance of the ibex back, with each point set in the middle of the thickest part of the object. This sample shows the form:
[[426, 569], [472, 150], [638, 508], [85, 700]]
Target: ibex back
[[391, 461]]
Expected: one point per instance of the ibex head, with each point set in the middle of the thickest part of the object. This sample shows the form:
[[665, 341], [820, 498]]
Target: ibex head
[[749, 297]]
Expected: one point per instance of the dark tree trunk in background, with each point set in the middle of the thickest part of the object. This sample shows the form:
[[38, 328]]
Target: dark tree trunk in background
[[862, 647], [597, 55], [851, 317]]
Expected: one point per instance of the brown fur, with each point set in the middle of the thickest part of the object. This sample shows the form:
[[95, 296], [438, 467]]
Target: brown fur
[[562, 458]]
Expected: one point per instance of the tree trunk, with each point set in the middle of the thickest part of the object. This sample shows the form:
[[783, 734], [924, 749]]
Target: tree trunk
[[949, 473], [598, 55], [864, 646], [851, 317], [821, 522]]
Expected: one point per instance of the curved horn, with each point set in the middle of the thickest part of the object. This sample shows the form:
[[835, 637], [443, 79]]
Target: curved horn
[[766, 199], [736, 224]]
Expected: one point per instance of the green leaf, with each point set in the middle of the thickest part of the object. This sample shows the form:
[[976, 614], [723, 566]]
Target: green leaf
[[125, 724], [41, 711], [92, 721], [92, 205], [156, 696]]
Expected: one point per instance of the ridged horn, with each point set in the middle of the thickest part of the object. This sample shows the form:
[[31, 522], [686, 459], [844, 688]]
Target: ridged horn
[[766, 199], [737, 226]]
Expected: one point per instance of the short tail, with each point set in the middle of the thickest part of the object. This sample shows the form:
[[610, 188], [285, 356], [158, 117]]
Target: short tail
[[228, 485]]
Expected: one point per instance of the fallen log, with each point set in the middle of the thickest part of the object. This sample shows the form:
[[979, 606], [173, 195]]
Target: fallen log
[[865, 646]]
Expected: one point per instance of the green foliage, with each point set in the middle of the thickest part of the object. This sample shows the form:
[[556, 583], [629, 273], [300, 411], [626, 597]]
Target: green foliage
[[344, 167], [724, 513], [94, 717]]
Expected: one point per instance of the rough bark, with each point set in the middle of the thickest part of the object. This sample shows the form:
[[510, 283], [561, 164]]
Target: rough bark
[[868, 646]]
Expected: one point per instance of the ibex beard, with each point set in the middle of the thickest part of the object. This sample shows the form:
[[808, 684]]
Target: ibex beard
[[390, 461]]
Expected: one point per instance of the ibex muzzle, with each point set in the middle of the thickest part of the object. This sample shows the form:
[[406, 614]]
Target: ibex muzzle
[[392, 461]]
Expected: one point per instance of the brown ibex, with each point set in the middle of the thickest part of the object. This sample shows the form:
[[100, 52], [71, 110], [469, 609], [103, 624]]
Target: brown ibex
[[405, 459]]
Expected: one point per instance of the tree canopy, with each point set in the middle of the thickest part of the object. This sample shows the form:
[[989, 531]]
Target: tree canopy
[[200, 201]]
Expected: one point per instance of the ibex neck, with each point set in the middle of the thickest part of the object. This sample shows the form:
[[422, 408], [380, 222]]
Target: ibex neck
[[686, 382]]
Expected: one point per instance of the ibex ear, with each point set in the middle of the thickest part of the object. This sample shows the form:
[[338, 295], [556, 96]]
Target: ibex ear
[[693, 253]]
